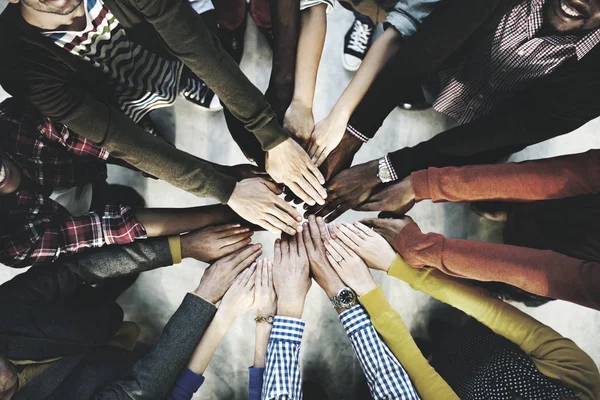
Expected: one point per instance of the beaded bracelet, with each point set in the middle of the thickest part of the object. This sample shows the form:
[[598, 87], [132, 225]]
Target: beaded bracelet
[[268, 319]]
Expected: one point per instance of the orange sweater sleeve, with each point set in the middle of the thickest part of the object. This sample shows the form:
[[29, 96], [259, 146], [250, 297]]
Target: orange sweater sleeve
[[551, 178], [542, 272]]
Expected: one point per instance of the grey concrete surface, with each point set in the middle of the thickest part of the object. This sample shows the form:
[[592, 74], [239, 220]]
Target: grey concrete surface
[[327, 357]]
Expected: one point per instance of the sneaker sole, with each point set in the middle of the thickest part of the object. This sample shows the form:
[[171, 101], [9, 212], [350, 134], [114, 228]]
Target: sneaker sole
[[348, 67]]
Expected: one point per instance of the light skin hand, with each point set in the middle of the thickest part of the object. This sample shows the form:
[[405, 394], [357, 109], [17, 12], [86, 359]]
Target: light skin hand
[[314, 232], [327, 135], [349, 267], [215, 242], [369, 245], [300, 122], [291, 275], [256, 201], [240, 296], [219, 277], [288, 163], [388, 228], [349, 189], [398, 198], [265, 303]]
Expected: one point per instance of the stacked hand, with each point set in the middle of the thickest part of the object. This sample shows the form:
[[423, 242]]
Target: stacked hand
[[326, 136], [214, 242], [398, 198], [388, 228], [300, 122], [240, 296], [219, 277], [291, 275], [289, 164]]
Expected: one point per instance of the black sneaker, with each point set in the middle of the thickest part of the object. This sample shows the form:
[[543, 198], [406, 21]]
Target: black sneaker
[[233, 41], [196, 91], [356, 44]]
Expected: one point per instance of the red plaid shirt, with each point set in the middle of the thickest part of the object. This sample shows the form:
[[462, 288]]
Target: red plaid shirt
[[35, 229]]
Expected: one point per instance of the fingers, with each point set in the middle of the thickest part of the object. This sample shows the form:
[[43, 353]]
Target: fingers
[[270, 273], [307, 237], [373, 206], [228, 240], [311, 192], [224, 228], [329, 207], [277, 251], [349, 238], [323, 156], [298, 191], [372, 222], [317, 174], [232, 248], [301, 249], [281, 220], [339, 248], [332, 250], [317, 181], [270, 227], [322, 227], [333, 262], [247, 256], [260, 276], [365, 229], [248, 275]]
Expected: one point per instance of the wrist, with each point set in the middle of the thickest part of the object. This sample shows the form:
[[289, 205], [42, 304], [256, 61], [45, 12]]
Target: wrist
[[372, 173], [340, 114], [224, 317], [291, 309], [206, 294], [365, 288], [303, 103]]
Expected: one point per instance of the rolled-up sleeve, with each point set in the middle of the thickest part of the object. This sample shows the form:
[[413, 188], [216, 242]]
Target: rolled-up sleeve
[[407, 15], [305, 4]]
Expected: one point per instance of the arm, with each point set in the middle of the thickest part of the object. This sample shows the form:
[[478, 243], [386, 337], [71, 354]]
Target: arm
[[389, 325], [385, 375], [285, 16], [555, 356], [542, 272], [256, 372], [299, 118], [282, 379], [552, 178]]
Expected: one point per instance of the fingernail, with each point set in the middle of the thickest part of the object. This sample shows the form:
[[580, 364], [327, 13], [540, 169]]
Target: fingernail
[[305, 224], [321, 202], [237, 225], [299, 219], [311, 202]]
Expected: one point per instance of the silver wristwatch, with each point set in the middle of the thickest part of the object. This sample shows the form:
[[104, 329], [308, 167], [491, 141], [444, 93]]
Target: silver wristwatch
[[383, 173], [345, 298]]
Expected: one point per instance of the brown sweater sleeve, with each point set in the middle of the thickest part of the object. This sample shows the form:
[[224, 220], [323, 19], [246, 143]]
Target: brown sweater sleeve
[[185, 35], [542, 272], [546, 179]]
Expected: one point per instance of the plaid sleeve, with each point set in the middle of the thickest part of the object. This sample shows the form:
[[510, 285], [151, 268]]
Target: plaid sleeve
[[385, 376], [44, 239], [282, 379]]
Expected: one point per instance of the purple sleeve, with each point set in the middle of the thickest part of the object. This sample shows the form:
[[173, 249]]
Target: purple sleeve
[[255, 383], [187, 384]]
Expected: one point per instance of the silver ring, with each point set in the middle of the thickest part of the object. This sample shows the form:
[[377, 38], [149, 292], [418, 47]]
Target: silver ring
[[339, 260]]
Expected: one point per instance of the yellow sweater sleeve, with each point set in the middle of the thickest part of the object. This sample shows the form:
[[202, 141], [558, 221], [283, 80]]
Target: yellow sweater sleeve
[[554, 355], [428, 383]]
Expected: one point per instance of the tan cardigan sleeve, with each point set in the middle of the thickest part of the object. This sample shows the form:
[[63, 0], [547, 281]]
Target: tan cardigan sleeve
[[543, 272], [554, 355], [551, 178], [388, 324]]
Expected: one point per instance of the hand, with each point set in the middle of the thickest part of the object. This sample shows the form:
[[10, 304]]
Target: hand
[[289, 164], [388, 228], [314, 232], [398, 198], [349, 266], [240, 296], [291, 275], [265, 299], [218, 277], [341, 157], [349, 189], [300, 122], [214, 242], [256, 201], [368, 244], [244, 171], [327, 135]]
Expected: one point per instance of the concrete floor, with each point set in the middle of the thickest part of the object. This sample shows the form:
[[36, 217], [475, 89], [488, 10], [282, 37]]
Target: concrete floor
[[327, 357]]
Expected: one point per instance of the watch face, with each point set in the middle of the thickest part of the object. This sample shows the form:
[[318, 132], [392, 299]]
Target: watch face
[[346, 297]]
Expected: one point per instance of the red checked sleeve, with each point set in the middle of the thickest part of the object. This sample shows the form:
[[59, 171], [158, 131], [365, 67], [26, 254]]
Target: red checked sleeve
[[542, 272], [551, 178], [48, 237]]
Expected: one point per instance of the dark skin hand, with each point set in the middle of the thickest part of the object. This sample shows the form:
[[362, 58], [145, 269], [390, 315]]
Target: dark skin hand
[[348, 190], [341, 157], [389, 228], [397, 198]]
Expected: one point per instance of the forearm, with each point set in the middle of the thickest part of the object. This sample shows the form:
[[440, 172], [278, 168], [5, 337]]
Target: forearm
[[210, 341], [310, 47], [389, 325], [546, 179], [173, 221], [261, 341], [285, 15], [382, 50], [542, 272]]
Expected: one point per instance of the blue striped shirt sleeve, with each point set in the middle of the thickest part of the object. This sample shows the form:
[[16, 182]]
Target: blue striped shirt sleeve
[[282, 379], [385, 376]]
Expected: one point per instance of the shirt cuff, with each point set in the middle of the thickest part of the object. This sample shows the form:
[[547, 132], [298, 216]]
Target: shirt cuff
[[175, 247], [256, 381], [354, 132], [420, 181], [355, 319], [120, 226], [388, 165], [287, 329], [187, 384]]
